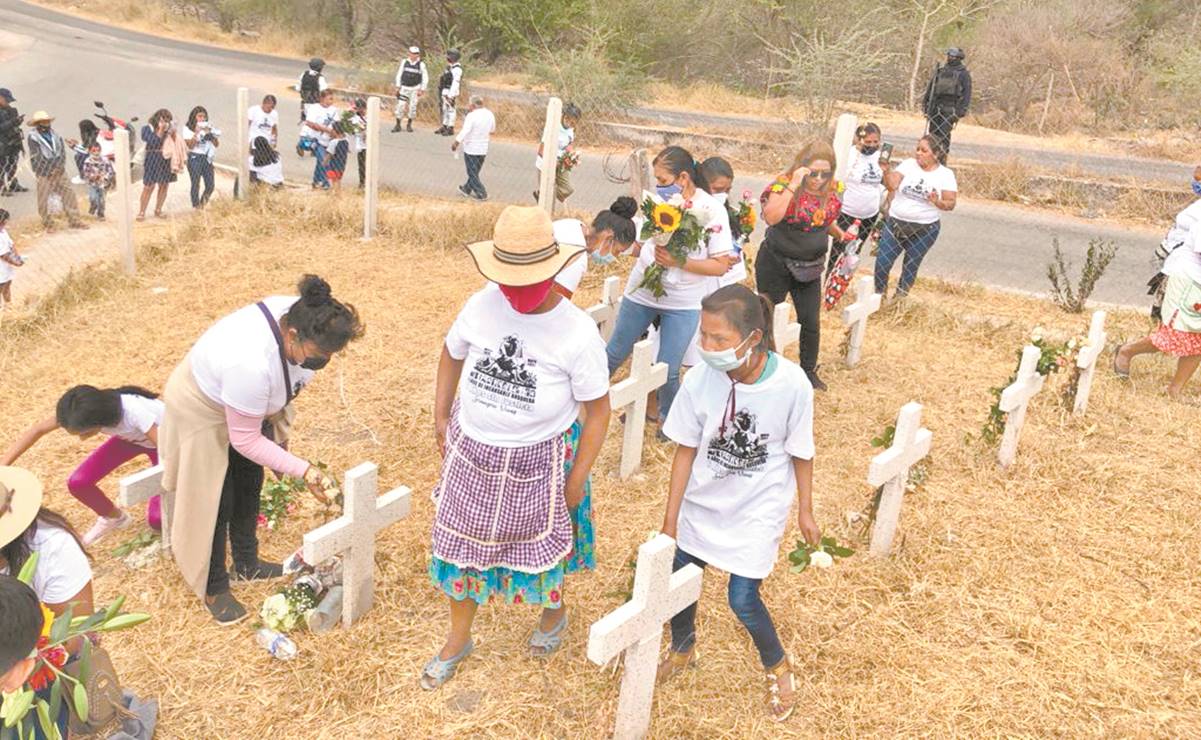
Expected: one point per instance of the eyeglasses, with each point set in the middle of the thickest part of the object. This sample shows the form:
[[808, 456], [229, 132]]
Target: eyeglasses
[[821, 174]]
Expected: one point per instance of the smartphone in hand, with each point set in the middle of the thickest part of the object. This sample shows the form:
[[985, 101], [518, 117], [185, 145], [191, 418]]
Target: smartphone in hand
[[886, 152]]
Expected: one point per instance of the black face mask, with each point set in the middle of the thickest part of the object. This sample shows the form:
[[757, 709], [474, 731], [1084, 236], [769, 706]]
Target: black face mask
[[870, 149], [314, 363]]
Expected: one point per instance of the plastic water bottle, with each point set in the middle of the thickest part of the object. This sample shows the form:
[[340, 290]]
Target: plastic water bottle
[[280, 646], [327, 613]]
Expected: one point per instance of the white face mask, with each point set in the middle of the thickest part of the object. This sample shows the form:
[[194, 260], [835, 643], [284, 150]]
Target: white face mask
[[722, 198], [726, 360]]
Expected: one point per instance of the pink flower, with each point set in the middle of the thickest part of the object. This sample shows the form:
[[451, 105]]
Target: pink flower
[[458, 586], [715, 229], [746, 195], [687, 205], [291, 508], [262, 520]]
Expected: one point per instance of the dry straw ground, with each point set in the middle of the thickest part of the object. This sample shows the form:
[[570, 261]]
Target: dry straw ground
[[1056, 599]]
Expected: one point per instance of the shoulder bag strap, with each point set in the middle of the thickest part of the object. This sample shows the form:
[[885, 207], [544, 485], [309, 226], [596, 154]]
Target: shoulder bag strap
[[279, 344]]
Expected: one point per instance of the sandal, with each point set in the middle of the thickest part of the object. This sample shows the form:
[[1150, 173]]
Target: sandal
[[674, 663], [775, 702], [1117, 370], [438, 671], [545, 644]]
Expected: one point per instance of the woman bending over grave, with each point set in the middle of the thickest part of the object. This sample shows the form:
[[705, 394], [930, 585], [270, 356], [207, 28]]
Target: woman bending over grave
[[744, 425], [611, 233], [513, 504], [130, 417], [229, 410], [1179, 334]]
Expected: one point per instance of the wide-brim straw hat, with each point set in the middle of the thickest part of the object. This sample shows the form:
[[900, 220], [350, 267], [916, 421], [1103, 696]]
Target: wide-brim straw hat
[[40, 116], [523, 249], [20, 500]]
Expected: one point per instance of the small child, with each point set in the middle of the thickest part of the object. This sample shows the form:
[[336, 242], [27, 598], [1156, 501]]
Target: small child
[[565, 156], [99, 174], [8, 260], [359, 120]]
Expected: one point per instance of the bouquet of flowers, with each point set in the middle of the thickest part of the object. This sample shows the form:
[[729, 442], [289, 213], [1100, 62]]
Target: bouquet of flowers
[[286, 610], [568, 161], [279, 500], [744, 215], [821, 556], [52, 657], [347, 125], [675, 226]]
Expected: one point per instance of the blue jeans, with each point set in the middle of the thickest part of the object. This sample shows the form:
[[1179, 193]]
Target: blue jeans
[[96, 200], [915, 240], [676, 329], [319, 178], [200, 169], [473, 186], [747, 606]]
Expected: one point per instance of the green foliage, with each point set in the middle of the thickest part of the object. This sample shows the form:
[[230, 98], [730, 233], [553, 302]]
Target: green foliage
[[1072, 299], [514, 26], [802, 556], [586, 76]]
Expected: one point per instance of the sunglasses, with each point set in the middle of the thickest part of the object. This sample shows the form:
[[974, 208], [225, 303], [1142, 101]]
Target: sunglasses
[[821, 174]]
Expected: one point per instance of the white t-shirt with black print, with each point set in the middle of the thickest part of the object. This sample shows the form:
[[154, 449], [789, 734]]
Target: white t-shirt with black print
[[864, 186], [262, 124], [236, 362], [138, 415], [203, 146], [322, 115], [685, 290], [524, 375], [911, 203], [743, 484]]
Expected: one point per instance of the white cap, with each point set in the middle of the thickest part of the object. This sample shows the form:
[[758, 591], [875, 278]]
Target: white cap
[[569, 231], [414, 50]]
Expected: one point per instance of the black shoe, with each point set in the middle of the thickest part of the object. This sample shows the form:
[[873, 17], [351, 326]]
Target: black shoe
[[815, 381], [397, 129], [409, 127], [465, 192], [226, 609], [20, 189], [260, 572]]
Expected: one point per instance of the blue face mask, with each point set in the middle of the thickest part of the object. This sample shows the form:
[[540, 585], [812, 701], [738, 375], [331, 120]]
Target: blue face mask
[[597, 258], [667, 191], [1197, 188]]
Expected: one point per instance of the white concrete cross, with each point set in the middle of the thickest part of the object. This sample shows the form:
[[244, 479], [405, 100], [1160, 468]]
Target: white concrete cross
[[140, 488], [785, 332], [371, 187], [645, 376], [550, 155], [243, 140], [890, 469], [844, 139], [1086, 360], [353, 536], [1015, 399], [124, 194], [605, 312], [867, 302], [637, 626]]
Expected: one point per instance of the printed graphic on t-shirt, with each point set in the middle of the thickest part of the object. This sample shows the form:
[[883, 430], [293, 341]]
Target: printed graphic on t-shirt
[[872, 175], [739, 449], [918, 188], [503, 378]]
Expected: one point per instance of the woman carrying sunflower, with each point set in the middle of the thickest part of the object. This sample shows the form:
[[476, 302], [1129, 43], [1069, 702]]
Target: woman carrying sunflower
[[684, 282], [801, 210]]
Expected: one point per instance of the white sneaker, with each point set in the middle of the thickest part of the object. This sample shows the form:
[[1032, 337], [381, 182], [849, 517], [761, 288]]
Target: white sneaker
[[103, 526], [77, 180]]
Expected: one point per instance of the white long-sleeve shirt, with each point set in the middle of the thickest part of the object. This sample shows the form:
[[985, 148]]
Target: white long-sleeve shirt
[[456, 77], [425, 74], [478, 127]]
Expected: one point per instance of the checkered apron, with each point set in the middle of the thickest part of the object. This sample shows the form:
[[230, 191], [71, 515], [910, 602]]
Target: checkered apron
[[501, 506]]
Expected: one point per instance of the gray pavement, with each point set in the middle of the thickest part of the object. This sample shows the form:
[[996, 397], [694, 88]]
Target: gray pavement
[[61, 64]]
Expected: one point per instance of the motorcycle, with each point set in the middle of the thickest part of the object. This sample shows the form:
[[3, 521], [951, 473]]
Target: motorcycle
[[137, 149]]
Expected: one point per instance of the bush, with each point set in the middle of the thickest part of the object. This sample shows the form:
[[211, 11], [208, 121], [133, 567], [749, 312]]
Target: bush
[[585, 76], [1100, 253]]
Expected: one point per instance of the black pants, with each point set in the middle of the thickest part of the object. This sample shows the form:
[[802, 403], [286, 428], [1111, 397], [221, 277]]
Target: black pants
[[475, 186], [773, 279], [837, 248], [8, 171], [939, 124], [238, 516], [362, 161]]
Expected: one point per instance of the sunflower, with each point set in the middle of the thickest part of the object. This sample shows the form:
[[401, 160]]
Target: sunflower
[[666, 217]]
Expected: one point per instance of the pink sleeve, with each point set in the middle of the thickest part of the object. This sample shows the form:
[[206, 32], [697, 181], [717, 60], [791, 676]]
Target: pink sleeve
[[246, 436]]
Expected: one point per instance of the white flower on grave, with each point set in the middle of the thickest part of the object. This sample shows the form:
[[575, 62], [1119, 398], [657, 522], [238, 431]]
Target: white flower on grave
[[1036, 334], [821, 559], [275, 610], [653, 534]]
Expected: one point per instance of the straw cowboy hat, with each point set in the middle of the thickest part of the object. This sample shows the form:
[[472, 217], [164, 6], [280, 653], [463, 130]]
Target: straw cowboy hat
[[20, 499], [523, 249], [40, 116]]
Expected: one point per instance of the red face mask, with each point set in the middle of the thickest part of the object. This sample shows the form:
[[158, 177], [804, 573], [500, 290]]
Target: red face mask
[[525, 298]]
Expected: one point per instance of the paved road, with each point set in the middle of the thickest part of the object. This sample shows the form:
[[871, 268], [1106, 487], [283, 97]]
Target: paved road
[[61, 63]]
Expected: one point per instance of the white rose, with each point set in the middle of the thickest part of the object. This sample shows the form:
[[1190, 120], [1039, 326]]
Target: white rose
[[821, 559], [1036, 334]]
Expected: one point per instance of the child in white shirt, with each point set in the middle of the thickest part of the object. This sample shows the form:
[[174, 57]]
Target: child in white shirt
[[9, 259]]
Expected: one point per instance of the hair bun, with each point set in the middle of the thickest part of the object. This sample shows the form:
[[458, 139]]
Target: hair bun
[[314, 291], [625, 206]]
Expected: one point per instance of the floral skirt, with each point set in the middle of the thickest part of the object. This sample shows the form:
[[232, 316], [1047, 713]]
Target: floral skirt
[[514, 586], [1180, 334]]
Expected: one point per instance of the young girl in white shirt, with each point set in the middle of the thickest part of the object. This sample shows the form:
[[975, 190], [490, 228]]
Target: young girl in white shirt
[[744, 425], [130, 417]]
